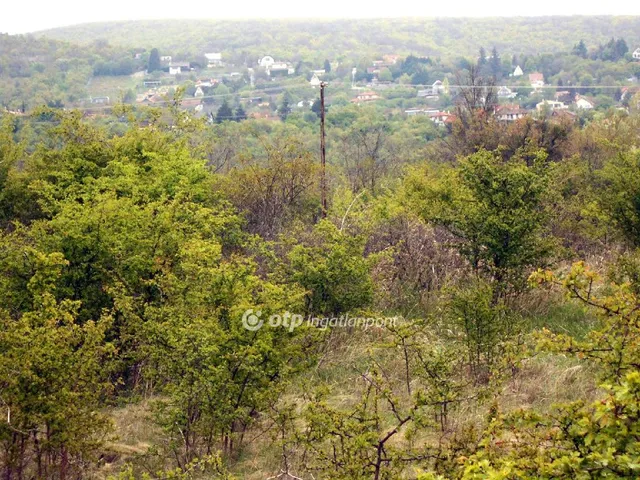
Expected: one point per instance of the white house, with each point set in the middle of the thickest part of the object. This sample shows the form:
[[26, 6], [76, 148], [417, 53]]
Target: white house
[[366, 96], [214, 59], [537, 80], [99, 100], [178, 68], [551, 105], [266, 62], [199, 92], [304, 103], [505, 92], [280, 68], [441, 118], [165, 58], [636, 54], [509, 113], [583, 103], [518, 72], [315, 81], [412, 112]]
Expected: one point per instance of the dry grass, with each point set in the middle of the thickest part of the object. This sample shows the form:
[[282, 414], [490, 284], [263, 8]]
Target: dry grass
[[541, 382]]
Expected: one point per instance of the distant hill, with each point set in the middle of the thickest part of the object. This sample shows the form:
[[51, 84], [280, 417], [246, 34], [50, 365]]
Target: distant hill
[[36, 71], [313, 39]]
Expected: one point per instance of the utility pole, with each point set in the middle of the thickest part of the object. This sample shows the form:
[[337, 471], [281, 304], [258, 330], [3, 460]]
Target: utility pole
[[323, 160]]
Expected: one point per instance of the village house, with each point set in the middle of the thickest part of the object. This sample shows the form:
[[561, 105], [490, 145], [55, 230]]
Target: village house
[[178, 68], [150, 98], [628, 93], [551, 105], [442, 118], [509, 113], [165, 58], [315, 81], [199, 92], [506, 92], [412, 112], [434, 91], [636, 54], [536, 80], [214, 60], [99, 100], [266, 62], [367, 96], [280, 68], [562, 96], [564, 116], [583, 103], [517, 72]]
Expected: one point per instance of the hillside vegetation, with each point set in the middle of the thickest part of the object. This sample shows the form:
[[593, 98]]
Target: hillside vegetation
[[188, 292], [311, 39]]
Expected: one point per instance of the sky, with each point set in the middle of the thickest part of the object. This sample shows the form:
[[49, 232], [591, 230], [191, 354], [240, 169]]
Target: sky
[[33, 15]]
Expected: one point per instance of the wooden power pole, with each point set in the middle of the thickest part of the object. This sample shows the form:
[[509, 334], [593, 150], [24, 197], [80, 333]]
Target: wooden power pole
[[323, 160]]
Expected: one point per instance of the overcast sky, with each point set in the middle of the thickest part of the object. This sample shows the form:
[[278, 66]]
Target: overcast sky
[[32, 15]]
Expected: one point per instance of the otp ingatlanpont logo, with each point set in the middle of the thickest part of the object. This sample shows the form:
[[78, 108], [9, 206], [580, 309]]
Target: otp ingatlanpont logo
[[252, 321]]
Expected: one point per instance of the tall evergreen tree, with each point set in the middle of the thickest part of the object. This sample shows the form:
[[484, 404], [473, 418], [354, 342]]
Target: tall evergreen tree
[[327, 66], [154, 61], [224, 112], [316, 107], [285, 108], [580, 49], [240, 114], [482, 57], [494, 63]]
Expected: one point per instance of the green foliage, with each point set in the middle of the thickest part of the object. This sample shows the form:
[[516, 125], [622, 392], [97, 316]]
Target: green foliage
[[620, 197], [331, 266], [494, 207], [54, 373], [575, 440], [485, 326], [154, 61], [225, 114]]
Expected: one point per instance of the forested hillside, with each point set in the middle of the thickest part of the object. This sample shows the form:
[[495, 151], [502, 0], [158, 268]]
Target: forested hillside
[[447, 37], [41, 71]]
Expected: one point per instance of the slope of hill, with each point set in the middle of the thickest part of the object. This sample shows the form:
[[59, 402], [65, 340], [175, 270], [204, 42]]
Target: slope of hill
[[36, 71], [354, 38]]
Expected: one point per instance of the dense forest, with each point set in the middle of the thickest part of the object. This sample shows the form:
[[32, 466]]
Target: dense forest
[[191, 294], [355, 38]]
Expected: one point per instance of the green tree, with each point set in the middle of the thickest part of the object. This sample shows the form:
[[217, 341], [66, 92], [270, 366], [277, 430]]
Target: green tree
[[332, 268], [285, 108], [224, 114], [316, 107], [495, 63], [154, 61], [240, 114], [619, 194], [54, 373], [580, 49], [482, 57], [494, 207], [385, 75]]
